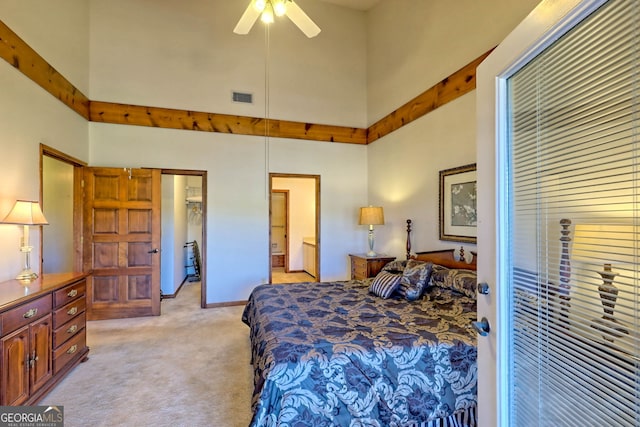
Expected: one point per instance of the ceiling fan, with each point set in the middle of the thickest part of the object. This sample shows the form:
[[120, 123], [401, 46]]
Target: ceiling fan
[[266, 9]]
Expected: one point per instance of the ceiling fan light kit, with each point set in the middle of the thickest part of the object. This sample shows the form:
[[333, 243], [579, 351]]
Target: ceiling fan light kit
[[265, 9]]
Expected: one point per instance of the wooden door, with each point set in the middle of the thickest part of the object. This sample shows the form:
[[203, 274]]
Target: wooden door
[[500, 253], [122, 242], [15, 371], [41, 364], [279, 229]]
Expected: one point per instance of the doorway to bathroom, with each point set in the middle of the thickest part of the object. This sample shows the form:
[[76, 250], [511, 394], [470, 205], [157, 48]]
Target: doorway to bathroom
[[294, 228]]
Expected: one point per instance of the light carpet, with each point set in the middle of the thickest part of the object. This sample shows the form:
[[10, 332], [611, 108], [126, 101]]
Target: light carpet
[[188, 367]]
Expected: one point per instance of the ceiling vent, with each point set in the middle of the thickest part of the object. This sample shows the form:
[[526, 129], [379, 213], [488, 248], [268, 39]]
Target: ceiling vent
[[246, 98]]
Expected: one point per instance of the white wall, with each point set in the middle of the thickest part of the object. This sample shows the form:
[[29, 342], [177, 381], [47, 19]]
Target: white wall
[[185, 55], [412, 45], [144, 55], [59, 32], [174, 233], [237, 202], [302, 215]]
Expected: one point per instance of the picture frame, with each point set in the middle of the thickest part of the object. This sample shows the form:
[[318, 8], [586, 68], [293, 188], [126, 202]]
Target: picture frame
[[458, 204]]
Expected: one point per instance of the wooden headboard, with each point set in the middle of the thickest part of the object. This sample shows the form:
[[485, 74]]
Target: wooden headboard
[[446, 258], [443, 257]]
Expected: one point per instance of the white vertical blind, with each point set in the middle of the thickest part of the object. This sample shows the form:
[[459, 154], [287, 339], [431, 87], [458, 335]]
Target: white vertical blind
[[574, 203]]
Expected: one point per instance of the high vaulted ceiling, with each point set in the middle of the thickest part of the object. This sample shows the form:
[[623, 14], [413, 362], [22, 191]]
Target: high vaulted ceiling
[[355, 4]]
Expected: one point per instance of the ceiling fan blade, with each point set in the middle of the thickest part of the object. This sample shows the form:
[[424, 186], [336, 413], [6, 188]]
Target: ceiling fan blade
[[298, 17], [248, 18]]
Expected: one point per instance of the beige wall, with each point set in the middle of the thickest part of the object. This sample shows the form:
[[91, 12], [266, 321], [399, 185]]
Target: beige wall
[[184, 55], [319, 80], [29, 115], [412, 45]]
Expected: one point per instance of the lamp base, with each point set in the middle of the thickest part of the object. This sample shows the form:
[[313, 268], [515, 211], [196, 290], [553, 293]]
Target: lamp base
[[26, 276], [610, 328], [371, 253]]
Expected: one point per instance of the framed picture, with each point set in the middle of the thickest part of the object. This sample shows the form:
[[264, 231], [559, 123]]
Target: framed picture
[[458, 204]]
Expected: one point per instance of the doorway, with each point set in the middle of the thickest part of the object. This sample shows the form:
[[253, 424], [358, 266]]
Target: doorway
[[184, 231], [294, 228], [280, 229], [61, 193], [61, 197]]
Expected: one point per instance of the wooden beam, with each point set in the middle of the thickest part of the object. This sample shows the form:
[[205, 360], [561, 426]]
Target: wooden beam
[[21, 56], [452, 87], [108, 112]]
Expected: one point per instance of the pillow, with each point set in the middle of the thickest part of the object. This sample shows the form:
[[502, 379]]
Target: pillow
[[459, 280], [396, 267], [415, 279], [384, 284]]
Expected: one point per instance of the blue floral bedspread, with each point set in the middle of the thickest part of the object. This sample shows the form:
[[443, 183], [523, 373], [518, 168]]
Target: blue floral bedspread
[[332, 354]]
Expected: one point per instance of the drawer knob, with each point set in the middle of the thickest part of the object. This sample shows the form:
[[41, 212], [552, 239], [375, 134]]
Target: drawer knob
[[72, 311], [72, 293], [73, 329], [30, 313], [72, 349]]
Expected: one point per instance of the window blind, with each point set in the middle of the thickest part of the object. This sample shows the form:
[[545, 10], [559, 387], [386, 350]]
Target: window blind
[[574, 208]]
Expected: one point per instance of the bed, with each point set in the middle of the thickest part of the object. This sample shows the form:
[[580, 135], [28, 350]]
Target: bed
[[347, 354]]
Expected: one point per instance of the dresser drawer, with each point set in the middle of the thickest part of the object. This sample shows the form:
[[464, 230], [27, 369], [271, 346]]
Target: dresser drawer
[[69, 293], [68, 330], [64, 354], [25, 314], [68, 312]]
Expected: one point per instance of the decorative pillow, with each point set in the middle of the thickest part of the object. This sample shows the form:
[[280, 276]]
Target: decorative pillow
[[415, 279], [459, 280], [384, 284], [396, 267]]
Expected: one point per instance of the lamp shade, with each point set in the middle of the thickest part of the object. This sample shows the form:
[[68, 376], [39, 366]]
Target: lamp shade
[[604, 243], [25, 212], [372, 215]]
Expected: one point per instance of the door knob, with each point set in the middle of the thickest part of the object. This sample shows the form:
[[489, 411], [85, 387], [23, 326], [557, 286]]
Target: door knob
[[483, 288], [482, 326], [153, 251]]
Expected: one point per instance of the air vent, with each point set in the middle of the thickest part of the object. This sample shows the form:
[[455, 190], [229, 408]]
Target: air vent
[[247, 98]]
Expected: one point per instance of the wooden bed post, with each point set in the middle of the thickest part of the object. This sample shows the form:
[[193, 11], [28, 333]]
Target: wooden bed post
[[408, 238], [564, 290]]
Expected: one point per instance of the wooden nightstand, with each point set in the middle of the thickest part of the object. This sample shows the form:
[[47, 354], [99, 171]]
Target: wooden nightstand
[[363, 266]]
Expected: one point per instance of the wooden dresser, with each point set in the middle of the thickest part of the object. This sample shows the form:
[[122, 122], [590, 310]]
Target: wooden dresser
[[42, 335], [363, 266]]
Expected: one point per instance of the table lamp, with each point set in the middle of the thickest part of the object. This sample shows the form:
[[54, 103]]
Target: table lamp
[[372, 215], [605, 244], [26, 213]]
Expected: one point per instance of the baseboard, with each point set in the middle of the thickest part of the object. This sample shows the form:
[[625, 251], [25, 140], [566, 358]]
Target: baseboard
[[175, 294], [225, 304]]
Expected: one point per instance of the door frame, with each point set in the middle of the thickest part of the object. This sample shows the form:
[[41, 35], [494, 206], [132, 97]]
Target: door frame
[[316, 179], [203, 247], [78, 173], [545, 24]]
